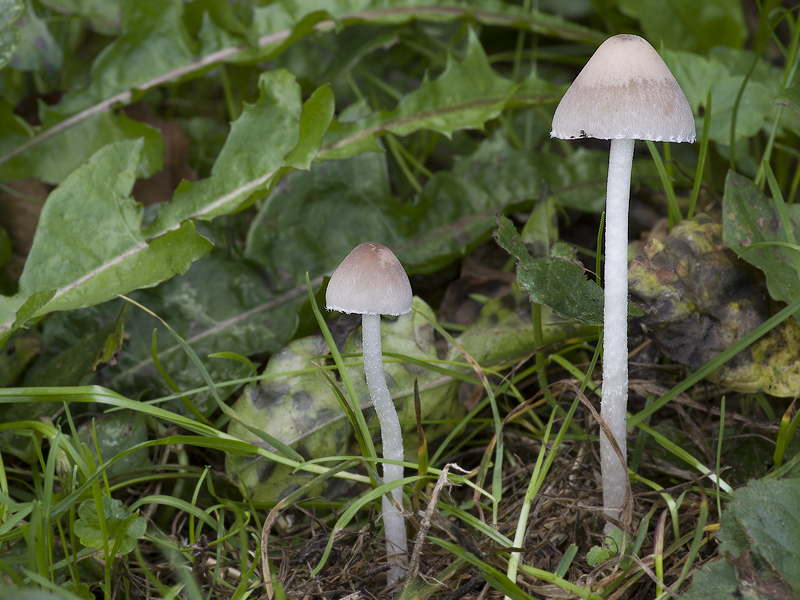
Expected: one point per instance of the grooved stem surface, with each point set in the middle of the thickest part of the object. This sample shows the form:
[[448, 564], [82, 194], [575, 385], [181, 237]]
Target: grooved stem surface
[[392, 438], [615, 325]]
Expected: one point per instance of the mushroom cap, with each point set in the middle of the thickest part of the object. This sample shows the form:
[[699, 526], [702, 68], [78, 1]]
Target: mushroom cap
[[370, 281], [625, 91]]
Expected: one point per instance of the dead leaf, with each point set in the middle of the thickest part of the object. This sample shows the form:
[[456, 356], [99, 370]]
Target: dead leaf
[[698, 299]]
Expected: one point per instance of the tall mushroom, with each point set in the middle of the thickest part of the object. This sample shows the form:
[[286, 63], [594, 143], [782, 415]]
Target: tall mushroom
[[624, 93], [371, 282]]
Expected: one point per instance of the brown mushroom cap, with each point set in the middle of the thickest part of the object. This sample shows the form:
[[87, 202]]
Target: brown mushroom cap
[[370, 280], [625, 91]]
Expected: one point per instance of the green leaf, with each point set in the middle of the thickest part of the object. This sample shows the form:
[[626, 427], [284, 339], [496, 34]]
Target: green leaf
[[154, 41], [118, 526], [81, 590], [278, 15], [10, 11], [557, 281], [216, 24], [314, 122], [610, 548], [300, 227], [155, 46], [294, 403], [72, 360], [766, 511], [37, 51], [790, 97], [718, 581], [760, 535], [466, 95], [299, 409], [723, 72], [688, 25], [116, 433], [749, 217], [53, 159], [253, 155], [238, 313], [541, 230], [104, 15], [696, 74], [756, 108], [503, 330], [92, 215]]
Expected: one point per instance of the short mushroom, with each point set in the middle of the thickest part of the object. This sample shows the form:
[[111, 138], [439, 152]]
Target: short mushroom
[[624, 93], [370, 281]]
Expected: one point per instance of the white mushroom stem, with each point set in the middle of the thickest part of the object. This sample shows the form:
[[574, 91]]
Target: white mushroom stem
[[392, 438], [615, 325]]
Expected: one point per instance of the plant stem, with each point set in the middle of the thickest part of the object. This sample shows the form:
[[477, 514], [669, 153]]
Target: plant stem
[[615, 324], [392, 438]]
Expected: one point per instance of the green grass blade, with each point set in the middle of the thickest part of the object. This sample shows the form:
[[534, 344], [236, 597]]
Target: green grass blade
[[701, 160], [675, 215], [368, 450], [712, 365], [182, 505], [783, 214], [353, 509], [273, 441]]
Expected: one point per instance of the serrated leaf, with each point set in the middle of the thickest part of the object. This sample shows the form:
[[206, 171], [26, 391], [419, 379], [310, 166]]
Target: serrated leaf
[[466, 95], [115, 513], [749, 217], [299, 227], [253, 155], [155, 48], [559, 283], [91, 215]]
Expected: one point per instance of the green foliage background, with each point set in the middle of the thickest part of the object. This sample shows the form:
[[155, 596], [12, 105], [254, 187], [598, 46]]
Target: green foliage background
[[310, 126]]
